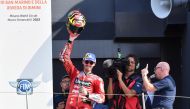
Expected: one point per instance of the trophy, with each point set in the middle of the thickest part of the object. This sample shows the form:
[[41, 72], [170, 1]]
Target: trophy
[[76, 22]]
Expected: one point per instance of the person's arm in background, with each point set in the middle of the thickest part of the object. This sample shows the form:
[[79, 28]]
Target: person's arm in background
[[146, 83], [110, 88], [65, 56], [129, 92]]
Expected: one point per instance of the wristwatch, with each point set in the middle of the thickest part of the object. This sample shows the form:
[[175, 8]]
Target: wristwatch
[[87, 96], [69, 41]]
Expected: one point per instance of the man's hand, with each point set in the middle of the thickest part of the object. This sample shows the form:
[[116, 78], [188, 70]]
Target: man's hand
[[83, 91], [72, 36], [146, 83], [119, 75], [144, 71]]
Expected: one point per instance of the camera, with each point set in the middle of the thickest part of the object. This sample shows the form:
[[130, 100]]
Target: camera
[[111, 66]]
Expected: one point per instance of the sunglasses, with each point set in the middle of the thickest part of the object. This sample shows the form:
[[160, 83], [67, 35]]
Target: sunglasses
[[89, 62]]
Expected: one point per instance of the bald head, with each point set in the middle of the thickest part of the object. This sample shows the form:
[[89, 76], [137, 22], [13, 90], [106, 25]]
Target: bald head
[[165, 66]]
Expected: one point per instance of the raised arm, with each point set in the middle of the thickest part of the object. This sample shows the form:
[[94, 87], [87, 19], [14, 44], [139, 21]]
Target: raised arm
[[65, 56], [146, 83]]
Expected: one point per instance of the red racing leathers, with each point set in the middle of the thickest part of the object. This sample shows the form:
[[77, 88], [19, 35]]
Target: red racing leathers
[[90, 82]]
